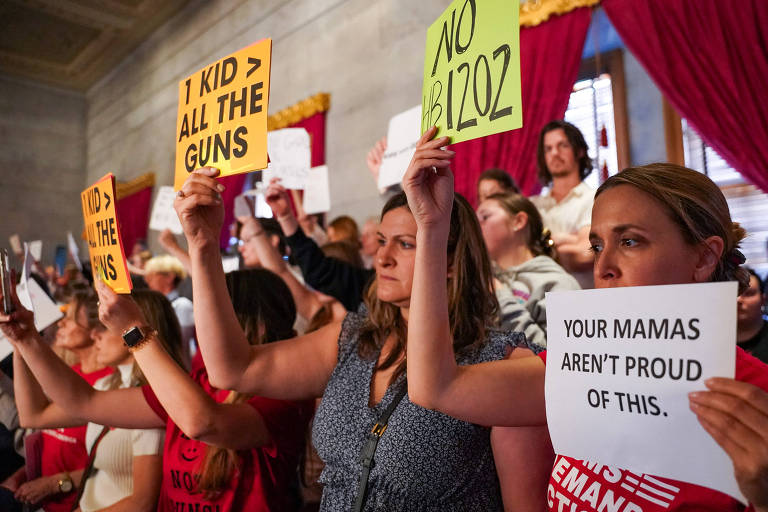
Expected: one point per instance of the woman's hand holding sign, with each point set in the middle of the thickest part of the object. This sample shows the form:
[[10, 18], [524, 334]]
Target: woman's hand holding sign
[[428, 182], [199, 207], [735, 414], [19, 326]]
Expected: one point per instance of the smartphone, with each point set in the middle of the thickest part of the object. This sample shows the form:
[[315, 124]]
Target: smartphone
[[5, 282]]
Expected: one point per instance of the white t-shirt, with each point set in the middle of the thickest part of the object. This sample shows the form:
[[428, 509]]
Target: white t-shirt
[[112, 479], [572, 213]]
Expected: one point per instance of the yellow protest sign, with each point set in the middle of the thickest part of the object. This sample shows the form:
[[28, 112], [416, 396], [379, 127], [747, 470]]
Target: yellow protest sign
[[105, 247], [222, 118], [472, 70]]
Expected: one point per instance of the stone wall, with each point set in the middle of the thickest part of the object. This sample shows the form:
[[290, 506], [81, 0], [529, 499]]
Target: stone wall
[[42, 130]]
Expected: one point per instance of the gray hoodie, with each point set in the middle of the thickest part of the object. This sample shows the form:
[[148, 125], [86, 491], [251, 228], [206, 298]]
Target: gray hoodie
[[521, 295]]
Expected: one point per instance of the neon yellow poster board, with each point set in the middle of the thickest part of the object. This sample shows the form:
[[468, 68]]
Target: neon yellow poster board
[[222, 118], [105, 247], [472, 70]]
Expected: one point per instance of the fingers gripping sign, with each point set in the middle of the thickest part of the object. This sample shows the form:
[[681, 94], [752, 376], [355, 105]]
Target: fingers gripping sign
[[19, 325], [735, 414], [428, 182], [199, 206], [118, 313], [277, 198]]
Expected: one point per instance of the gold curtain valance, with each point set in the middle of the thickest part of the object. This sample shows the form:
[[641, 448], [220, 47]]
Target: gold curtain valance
[[307, 107], [131, 187], [535, 12]]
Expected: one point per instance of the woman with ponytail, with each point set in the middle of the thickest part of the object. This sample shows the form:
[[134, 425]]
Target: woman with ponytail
[[652, 225], [523, 256], [223, 451]]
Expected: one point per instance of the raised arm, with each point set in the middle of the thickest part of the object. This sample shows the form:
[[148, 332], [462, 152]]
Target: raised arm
[[232, 363], [172, 247], [196, 413], [307, 303], [76, 402], [509, 392], [336, 278]]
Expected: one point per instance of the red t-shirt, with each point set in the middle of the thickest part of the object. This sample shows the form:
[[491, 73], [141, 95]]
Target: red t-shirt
[[266, 477], [583, 486], [63, 449]]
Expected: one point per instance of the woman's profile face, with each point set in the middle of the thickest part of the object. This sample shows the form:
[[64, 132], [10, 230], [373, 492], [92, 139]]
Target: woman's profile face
[[497, 228], [110, 349], [73, 331], [395, 257], [636, 243]]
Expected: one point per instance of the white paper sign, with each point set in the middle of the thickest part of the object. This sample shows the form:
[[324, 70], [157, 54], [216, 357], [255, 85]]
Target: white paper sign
[[74, 250], [317, 193], [163, 215], [22, 292], [230, 263], [45, 310], [289, 156], [36, 249], [620, 365], [402, 136]]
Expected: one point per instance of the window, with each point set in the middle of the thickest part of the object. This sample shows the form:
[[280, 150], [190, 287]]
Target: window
[[590, 108], [748, 204]]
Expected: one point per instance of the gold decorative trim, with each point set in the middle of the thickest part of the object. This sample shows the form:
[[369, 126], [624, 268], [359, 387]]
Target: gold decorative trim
[[307, 107], [131, 187], [536, 12]]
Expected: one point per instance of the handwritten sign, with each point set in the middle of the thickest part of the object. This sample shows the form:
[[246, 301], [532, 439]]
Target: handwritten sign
[[317, 194], [105, 248], [472, 70], [402, 136], [222, 118], [289, 156], [620, 365], [163, 215]]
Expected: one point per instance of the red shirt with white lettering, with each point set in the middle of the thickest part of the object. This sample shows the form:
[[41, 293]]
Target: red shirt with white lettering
[[63, 450], [265, 479], [583, 486]]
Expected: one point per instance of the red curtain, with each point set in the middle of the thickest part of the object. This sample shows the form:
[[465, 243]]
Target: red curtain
[[710, 59], [550, 55], [133, 215]]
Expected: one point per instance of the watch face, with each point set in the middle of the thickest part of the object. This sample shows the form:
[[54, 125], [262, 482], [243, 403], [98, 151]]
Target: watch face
[[133, 336], [65, 485]]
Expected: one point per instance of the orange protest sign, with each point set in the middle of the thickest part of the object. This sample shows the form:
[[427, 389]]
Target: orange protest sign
[[105, 247], [222, 118]]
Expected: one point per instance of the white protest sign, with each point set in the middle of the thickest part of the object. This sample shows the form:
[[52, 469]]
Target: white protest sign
[[289, 156], [36, 249], [74, 250], [22, 292], [163, 215], [620, 365], [34, 298], [317, 193], [230, 263], [403, 135]]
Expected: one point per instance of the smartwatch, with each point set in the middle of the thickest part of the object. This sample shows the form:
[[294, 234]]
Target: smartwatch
[[65, 484], [136, 336]]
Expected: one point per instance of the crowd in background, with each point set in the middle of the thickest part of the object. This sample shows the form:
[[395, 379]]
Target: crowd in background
[[257, 389]]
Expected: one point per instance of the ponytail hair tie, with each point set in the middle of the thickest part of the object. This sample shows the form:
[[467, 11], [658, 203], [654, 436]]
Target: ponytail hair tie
[[546, 238]]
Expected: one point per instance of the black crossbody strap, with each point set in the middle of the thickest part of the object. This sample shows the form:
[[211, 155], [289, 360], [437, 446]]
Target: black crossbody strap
[[372, 440]]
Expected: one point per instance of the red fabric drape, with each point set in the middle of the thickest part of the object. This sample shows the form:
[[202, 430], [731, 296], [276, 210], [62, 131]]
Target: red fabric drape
[[710, 59], [550, 55], [133, 215]]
